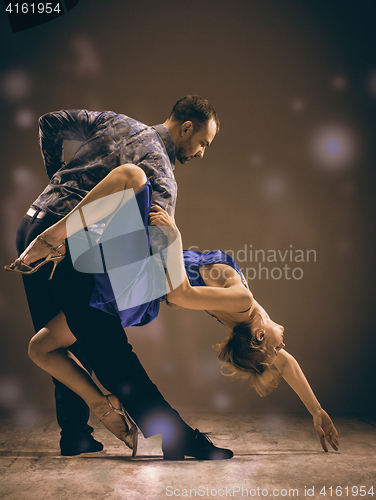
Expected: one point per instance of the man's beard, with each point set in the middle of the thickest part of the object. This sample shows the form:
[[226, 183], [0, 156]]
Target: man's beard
[[184, 159], [181, 155]]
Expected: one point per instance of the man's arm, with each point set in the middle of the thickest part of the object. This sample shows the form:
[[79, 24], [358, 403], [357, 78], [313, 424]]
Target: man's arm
[[294, 376], [56, 127], [158, 170]]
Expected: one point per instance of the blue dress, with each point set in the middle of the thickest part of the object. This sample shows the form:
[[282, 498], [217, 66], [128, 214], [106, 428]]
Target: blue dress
[[107, 296], [193, 260]]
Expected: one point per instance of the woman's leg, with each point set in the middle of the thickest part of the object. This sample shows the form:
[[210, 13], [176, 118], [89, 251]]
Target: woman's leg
[[48, 349], [104, 199]]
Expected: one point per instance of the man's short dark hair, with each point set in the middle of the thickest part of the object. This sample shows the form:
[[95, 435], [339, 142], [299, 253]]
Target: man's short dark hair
[[196, 109]]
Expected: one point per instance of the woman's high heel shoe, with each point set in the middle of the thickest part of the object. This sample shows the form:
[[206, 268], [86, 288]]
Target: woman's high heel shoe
[[54, 256], [131, 437]]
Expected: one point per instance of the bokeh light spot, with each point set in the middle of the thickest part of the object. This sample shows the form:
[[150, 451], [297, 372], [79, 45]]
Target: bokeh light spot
[[298, 104], [26, 417], [25, 118], [88, 63], [333, 147], [23, 176], [345, 246], [17, 85], [10, 392], [160, 424], [255, 160], [222, 401], [275, 187], [338, 82]]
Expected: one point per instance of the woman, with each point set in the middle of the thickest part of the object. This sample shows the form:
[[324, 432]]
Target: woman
[[211, 282]]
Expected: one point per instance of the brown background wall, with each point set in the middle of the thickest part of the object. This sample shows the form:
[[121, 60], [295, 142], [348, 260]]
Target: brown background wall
[[294, 84]]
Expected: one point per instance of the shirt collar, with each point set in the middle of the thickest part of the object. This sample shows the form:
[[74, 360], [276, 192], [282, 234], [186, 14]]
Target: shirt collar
[[165, 135]]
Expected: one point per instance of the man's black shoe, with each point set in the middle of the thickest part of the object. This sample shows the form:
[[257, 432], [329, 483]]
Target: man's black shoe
[[80, 443], [198, 446]]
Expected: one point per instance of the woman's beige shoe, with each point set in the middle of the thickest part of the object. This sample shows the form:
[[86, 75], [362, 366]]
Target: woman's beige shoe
[[18, 266], [131, 438]]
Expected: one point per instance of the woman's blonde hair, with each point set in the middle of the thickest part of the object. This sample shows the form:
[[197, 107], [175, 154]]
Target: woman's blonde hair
[[246, 356]]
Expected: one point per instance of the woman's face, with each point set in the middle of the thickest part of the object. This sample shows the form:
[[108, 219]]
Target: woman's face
[[273, 334]]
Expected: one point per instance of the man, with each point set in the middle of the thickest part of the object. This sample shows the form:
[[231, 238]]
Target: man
[[110, 140]]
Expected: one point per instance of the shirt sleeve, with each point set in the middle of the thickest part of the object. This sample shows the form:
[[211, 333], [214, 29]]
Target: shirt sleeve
[[159, 171], [58, 126]]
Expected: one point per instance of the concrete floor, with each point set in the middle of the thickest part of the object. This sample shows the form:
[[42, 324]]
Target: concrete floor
[[274, 455]]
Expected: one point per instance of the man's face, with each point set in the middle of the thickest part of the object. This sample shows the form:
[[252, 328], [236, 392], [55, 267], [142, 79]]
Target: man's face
[[193, 144]]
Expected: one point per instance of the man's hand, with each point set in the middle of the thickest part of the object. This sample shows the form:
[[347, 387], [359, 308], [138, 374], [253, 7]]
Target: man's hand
[[325, 430]]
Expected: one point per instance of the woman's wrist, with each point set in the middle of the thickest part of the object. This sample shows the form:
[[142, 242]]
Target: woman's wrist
[[316, 410]]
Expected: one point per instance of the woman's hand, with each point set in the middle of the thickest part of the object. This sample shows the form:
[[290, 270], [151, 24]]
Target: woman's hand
[[325, 430], [159, 217]]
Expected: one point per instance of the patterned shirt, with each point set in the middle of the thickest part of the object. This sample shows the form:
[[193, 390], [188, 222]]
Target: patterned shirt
[[109, 140]]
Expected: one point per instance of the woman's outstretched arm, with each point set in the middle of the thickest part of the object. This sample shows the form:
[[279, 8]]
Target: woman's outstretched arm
[[294, 376]]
